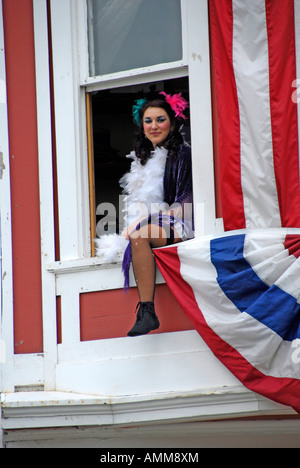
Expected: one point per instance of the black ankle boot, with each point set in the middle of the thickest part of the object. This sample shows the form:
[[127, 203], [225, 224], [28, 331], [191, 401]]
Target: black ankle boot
[[146, 320]]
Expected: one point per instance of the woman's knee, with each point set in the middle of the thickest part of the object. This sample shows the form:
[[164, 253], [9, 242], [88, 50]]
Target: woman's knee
[[151, 234]]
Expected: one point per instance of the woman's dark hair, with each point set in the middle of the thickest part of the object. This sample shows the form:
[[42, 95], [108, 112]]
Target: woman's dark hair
[[144, 147]]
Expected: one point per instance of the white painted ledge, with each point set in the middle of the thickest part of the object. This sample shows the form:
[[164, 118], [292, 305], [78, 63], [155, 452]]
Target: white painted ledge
[[27, 410]]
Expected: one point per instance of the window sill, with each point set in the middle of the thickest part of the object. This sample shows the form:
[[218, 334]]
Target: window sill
[[80, 265], [90, 274]]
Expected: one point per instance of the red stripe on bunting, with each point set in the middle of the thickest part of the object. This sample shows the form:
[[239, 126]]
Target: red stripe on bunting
[[282, 390], [292, 244], [282, 73], [221, 30]]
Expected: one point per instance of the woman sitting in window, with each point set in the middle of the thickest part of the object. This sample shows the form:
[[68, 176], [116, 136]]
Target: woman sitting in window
[[159, 147], [158, 190]]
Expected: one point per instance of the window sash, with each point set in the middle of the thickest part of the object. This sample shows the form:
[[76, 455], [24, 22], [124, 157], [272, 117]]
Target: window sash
[[104, 81], [138, 56]]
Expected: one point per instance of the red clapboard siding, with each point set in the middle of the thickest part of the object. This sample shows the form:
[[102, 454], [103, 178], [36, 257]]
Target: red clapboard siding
[[22, 122], [111, 314]]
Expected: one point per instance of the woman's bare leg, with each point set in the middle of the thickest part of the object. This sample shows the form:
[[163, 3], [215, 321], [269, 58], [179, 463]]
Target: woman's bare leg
[[144, 266]]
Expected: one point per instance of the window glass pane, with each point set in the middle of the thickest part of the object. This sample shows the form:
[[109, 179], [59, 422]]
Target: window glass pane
[[132, 34]]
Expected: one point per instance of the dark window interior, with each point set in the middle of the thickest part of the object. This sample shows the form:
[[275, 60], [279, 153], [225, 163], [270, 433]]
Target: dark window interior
[[114, 133]]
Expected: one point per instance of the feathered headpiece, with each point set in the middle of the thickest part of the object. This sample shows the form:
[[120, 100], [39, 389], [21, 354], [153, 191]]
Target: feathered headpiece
[[177, 103], [136, 110]]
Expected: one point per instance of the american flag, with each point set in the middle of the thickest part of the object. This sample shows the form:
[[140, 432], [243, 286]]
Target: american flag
[[241, 289]]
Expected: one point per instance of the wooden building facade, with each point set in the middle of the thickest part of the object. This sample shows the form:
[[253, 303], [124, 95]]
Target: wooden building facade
[[69, 374]]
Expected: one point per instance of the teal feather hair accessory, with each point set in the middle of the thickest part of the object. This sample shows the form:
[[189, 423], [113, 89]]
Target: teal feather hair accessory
[[136, 110]]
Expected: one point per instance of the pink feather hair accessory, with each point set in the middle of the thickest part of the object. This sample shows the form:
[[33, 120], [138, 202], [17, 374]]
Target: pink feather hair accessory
[[177, 102]]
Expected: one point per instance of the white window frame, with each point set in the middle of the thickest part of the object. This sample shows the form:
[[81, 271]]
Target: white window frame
[[71, 82], [77, 272]]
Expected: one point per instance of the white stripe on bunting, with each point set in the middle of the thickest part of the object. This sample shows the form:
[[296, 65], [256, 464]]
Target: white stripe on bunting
[[261, 346]]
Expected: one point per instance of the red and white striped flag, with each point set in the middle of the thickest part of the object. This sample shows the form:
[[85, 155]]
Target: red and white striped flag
[[254, 57], [242, 289]]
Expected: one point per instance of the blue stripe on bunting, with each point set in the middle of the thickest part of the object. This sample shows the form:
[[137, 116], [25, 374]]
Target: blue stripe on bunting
[[272, 306]]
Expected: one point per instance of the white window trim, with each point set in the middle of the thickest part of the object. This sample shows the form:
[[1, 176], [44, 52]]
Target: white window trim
[[71, 83], [201, 118], [44, 129], [70, 129], [138, 76]]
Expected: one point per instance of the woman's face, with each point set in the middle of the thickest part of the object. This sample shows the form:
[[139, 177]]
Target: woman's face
[[156, 124]]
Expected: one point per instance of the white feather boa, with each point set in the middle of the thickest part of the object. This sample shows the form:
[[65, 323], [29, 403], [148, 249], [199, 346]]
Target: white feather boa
[[143, 187]]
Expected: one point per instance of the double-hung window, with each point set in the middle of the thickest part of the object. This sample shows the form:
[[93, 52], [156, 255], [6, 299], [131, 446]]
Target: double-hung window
[[119, 51]]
